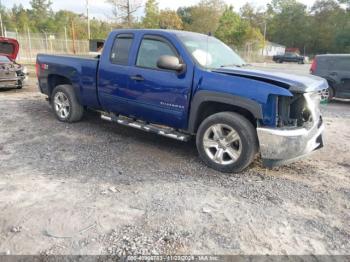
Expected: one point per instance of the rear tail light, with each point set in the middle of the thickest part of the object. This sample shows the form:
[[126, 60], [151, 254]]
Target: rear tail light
[[313, 66], [37, 67], [40, 67]]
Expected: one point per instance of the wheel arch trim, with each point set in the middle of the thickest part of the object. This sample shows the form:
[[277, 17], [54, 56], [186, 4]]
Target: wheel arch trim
[[57, 79], [208, 96]]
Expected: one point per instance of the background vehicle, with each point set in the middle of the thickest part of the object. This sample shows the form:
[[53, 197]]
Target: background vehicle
[[178, 84], [336, 70], [12, 74], [289, 57]]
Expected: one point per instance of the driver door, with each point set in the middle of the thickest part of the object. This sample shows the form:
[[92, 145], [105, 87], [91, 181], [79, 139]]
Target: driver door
[[153, 94]]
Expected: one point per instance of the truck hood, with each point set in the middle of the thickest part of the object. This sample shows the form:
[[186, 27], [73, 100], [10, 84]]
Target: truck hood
[[9, 47], [294, 83]]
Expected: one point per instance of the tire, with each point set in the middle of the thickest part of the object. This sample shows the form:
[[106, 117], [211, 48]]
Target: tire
[[327, 95], [65, 104], [20, 85], [331, 94], [228, 154]]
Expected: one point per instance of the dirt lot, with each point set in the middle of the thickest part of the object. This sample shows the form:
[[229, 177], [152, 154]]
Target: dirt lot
[[96, 188]]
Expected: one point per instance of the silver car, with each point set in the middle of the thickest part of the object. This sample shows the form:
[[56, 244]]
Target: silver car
[[12, 74]]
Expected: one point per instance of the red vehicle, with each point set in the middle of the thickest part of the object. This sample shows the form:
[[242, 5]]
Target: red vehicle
[[12, 74]]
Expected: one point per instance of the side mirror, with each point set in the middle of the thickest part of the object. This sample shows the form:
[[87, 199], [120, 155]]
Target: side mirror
[[170, 63]]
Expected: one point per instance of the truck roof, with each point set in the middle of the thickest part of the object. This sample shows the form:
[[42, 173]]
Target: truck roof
[[166, 31]]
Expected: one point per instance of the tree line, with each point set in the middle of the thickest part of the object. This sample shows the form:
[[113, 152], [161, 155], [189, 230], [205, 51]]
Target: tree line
[[321, 28]]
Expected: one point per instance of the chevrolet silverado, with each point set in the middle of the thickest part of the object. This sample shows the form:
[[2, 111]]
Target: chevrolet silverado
[[180, 85]]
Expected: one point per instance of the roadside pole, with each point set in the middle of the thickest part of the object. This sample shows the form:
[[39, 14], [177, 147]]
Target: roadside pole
[[19, 41], [265, 29], [2, 26], [29, 44], [65, 38], [88, 19], [73, 36]]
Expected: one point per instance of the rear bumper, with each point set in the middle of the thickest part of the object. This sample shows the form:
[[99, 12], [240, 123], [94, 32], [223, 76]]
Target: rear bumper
[[278, 146]]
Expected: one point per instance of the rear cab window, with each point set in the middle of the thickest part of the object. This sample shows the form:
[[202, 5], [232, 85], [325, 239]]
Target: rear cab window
[[121, 49]]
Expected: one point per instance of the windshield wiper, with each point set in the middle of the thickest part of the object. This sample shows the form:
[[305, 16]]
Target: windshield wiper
[[231, 65]]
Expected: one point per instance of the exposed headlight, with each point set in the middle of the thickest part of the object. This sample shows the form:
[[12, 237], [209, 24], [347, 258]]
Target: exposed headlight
[[25, 70], [316, 97]]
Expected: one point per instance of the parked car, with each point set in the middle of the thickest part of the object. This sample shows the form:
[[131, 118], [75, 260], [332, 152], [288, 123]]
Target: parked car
[[336, 70], [12, 74], [289, 57], [181, 84]]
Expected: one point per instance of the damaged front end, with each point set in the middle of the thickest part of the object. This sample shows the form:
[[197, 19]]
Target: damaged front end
[[295, 127], [12, 75], [298, 130]]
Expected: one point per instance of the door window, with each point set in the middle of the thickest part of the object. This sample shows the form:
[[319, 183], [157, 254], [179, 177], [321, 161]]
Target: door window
[[120, 50], [342, 64], [151, 50]]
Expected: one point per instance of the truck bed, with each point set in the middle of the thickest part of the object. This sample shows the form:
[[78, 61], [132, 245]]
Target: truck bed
[[81, 72]]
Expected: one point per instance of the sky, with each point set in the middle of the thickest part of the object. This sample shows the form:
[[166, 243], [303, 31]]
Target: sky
[[101, 10]]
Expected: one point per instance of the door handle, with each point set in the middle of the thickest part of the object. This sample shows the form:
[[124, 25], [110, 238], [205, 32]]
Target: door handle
[[137, 78], [334, 74]]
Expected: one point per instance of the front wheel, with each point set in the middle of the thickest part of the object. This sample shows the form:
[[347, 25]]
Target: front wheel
[[227, 142], [327, 94], [20, 85]]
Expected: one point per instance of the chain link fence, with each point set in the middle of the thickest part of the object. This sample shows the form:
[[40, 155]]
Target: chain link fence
[[256, 52], [252, 52], [32, 44]]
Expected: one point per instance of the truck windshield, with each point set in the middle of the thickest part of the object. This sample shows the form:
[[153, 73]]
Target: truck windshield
[[210, 52]]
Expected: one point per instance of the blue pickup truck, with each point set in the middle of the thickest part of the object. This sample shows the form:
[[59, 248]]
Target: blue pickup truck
[[181, 85]]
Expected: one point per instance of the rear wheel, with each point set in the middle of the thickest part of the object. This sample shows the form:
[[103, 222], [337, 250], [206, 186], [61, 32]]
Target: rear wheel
[[65, 104], [227, 142]]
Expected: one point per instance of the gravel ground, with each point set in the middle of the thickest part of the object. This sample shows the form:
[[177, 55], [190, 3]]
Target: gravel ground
[[98, 188]]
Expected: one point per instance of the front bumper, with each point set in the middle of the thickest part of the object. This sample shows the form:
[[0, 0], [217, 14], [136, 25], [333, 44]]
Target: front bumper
[[12, 82], [282, 146]]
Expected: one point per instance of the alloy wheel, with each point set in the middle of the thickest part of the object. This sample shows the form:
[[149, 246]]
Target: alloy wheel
[[222, 144], [62, 105], [324, 94]]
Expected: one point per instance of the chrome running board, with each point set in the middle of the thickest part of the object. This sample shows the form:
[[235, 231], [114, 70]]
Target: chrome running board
[[160, 130]]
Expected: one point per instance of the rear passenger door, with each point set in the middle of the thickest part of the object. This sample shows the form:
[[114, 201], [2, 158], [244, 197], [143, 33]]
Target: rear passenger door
[[342, 70], [113, 76]]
